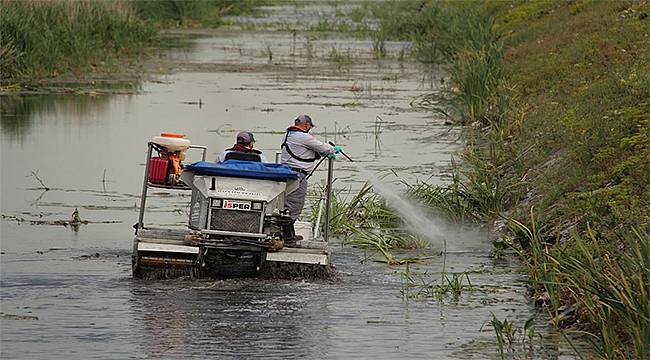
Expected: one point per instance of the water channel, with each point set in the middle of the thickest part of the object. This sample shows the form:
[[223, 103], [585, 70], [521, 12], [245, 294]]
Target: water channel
[[69, 293]]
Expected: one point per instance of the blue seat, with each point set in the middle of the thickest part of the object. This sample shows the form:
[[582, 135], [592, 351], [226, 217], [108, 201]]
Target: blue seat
[[244, 169]]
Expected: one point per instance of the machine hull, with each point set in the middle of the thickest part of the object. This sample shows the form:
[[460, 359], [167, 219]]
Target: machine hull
[[165, 254]]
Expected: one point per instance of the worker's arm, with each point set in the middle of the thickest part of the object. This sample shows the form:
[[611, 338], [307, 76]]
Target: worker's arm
[[318, 146]]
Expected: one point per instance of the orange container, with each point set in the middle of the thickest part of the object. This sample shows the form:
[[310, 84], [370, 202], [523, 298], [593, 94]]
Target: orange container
[[172, 135]]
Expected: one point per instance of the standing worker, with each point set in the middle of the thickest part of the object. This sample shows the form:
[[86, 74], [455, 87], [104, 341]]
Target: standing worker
[[300, 150]]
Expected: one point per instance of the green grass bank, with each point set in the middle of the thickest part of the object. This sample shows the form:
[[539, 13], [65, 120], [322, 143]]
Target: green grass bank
[[555, 96], [580, 134]]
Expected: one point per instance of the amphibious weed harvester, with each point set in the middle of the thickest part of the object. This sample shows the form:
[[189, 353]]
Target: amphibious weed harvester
[[237, 225]]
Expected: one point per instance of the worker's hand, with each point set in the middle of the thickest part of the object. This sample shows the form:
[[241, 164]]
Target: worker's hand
[[338, 149], [331, 156]]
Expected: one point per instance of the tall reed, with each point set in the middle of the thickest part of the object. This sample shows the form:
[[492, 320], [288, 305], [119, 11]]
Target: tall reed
[[612, 290], [462, 36], [44, 38], [195, 13], [608, 284], [536, 255], [475, 193]]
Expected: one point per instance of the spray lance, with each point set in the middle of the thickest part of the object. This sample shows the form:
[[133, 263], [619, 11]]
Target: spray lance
[[341, 152], [325, 157]]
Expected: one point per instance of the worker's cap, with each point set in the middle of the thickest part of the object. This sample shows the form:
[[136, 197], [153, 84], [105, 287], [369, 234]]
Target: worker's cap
[[304, 119], [245, 137]]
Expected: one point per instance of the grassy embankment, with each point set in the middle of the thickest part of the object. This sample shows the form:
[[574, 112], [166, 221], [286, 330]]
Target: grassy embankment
[[582, 139], [557, 99], [45, 39]]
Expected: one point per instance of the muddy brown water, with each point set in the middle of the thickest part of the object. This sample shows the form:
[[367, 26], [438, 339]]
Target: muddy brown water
[[69, 294]]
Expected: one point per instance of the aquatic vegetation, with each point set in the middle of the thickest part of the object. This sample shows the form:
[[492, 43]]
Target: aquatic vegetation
[[475, 192], [364, 210], [341, 58], [268, 52], [436, 286], [607, 287], [467, 42], [45, 38], [378, 44], [332, 25], [367, 222], [197, 13], [534, 252], [377, 239], [512, 338]]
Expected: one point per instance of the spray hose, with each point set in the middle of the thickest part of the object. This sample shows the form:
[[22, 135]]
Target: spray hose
[[314, 170]]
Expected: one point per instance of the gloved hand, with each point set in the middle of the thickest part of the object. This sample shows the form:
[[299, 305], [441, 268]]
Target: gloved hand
[[331, 156], [338, 149]]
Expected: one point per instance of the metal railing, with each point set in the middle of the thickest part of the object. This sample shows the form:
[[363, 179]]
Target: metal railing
[[145, 183]]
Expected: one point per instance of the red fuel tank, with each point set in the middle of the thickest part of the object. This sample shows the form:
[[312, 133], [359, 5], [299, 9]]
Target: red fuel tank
[[158, 169]]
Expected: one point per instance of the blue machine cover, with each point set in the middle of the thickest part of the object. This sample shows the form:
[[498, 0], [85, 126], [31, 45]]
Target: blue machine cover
[[243, 169]]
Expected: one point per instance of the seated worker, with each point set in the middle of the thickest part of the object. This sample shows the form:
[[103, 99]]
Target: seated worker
[[242, 150]]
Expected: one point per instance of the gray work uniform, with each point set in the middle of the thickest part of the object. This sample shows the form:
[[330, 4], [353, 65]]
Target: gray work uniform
[[302, 153]]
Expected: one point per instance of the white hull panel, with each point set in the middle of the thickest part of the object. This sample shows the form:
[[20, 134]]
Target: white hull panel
[[143, 246]]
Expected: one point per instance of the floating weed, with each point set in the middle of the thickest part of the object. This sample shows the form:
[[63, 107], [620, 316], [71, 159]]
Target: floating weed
[[402, 54], [368, 239], [309, 48], [377, 131]]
